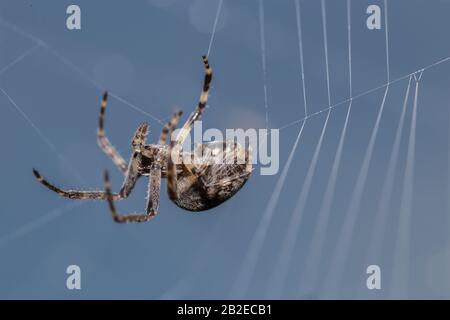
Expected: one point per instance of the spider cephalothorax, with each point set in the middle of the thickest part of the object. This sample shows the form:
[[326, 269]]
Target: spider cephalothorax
[[192, 185]]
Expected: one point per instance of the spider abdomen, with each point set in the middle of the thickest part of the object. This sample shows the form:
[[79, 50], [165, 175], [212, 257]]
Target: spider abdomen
[[200, 197], [214, 180]]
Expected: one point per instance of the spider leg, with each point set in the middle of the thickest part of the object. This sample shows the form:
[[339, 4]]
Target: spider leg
[[132, 173], [103, 141], [154, 189], [165, 130], [131, 176], [174, 149], [73, 194], [152, 199], [201, 104], [139, 137]]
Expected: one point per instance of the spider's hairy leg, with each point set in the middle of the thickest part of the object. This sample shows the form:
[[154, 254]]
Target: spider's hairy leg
[[140, 136], [152, 199], [165, 130], [168, 127], [201, 104], [174, 149], [103, 141], [154, 189], [131, 176], [73, 194]]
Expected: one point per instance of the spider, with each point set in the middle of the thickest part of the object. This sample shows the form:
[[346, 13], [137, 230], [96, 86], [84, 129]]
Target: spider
[[196, 186]]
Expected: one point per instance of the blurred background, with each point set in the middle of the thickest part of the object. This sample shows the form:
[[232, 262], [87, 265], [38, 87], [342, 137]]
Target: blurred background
[[148, 53]]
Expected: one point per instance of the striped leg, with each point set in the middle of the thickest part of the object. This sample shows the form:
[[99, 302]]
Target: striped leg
[[131, 177], [152, 199], [73, 194], [201, 104], [131, 174], [139, 137], [165, 130], [174, 151], [103, 141]]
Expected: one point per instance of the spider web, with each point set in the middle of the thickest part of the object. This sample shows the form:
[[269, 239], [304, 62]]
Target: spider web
[[341, 251], [277, 284]]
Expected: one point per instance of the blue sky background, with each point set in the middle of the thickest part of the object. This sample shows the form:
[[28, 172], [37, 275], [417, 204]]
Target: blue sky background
[[149, 54]]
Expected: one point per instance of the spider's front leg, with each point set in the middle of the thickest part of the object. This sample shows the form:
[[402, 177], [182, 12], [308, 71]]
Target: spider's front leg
[[152, 199], [184, 132], [103, 141], [174, 150], [167, 127], [172, 187]]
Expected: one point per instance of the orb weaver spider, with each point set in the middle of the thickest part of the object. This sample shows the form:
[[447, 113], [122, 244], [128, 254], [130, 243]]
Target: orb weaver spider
[[196, 186]]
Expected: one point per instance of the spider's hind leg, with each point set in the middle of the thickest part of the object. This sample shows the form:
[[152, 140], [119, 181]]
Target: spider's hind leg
[[73, 194], [152, 199], [154, 185], [131, 176]]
